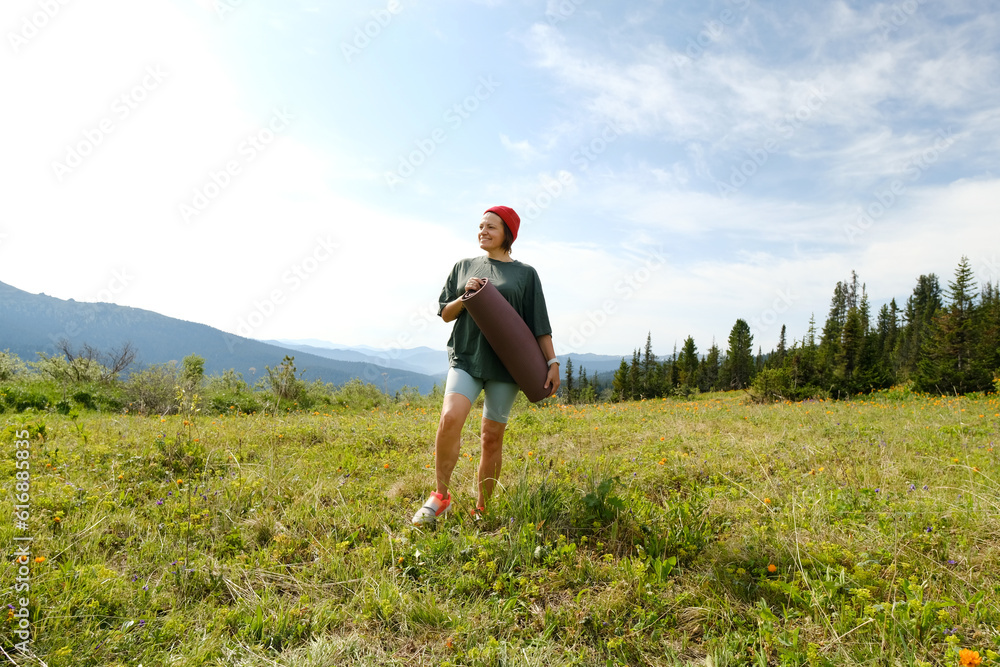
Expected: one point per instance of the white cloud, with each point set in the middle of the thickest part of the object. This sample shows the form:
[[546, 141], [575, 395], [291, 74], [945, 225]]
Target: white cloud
[[523, 149]]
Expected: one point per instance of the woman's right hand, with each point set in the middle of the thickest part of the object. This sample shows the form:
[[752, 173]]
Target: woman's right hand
[[473, 284]]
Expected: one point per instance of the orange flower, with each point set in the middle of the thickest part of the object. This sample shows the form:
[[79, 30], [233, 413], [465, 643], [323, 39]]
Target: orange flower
[[772, 568], [386, 466], [40, 559], [767, 501], [56, 519], [967, 658]]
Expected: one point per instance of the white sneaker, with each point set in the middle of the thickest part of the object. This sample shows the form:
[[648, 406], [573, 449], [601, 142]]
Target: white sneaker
[[436, 506]]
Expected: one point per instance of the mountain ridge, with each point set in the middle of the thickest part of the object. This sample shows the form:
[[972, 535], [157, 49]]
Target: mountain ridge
[[36, 323]]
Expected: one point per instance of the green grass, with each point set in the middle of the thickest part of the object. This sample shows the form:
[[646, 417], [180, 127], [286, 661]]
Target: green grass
[[663, 532]]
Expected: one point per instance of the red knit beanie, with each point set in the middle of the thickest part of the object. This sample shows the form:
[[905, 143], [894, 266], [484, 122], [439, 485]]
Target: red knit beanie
[[509, 217]]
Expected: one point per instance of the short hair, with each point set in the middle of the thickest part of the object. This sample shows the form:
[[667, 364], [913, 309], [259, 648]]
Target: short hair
[[508, 238]]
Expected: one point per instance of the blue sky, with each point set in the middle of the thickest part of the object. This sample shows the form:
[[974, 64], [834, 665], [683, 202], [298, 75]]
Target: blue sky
[[313, 169]]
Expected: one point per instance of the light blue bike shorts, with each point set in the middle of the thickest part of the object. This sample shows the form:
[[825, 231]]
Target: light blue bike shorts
[[499, 395]]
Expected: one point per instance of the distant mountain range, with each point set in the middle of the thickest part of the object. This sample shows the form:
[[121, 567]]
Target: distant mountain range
[[33, 323], [418, 360]]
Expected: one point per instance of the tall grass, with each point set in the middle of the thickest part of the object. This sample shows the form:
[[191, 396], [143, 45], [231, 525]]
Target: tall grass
[[707, 531]]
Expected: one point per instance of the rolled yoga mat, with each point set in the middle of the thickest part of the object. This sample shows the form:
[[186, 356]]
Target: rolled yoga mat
[[510, 338]]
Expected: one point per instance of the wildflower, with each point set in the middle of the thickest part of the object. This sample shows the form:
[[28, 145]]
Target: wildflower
[[967, 658], [767, 501], [180, 482], [772, 568], [56, 519], [40, 559]]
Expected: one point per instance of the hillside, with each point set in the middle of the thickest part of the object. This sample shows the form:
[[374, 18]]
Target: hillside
[[33, 323]]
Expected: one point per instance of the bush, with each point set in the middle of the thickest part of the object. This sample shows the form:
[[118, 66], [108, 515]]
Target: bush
[[11, 366], [85, 399], [775, 384], [357, 394], [229, 382], [770, 385], [153, 390], [285, 381], [228, 402], [17, 399]]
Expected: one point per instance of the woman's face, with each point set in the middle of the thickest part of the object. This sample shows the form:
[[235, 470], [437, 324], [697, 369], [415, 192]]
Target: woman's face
[[491, 232]]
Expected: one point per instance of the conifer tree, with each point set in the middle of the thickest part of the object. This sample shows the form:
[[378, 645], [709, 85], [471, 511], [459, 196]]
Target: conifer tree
[[778, 359], [648, 375], [674, 374], [688, 363], [619, 383], [584, 392], [738, 368], [950, 357], [635, 377], [595, 387], [709, 371], [569, 389], [989, 328], [830, 342], [849, 353], [921, 308], [886, 335]]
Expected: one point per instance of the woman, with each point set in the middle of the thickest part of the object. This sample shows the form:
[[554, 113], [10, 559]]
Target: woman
[[473, 364]]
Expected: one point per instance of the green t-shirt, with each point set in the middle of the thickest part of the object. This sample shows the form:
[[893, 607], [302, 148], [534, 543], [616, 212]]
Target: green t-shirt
[[468, 349]]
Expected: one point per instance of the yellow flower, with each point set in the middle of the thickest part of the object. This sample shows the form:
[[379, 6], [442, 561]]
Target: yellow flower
[[967, 658]]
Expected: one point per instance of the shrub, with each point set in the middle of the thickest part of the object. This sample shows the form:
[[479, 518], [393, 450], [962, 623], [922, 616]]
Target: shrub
[[285, 381], [228, 402], [11, 366], [771, 384], [357, 394], [153, 390], [18, 399]]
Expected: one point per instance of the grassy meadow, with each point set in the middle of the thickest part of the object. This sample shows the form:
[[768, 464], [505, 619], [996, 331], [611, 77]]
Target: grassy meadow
[[712, 531]]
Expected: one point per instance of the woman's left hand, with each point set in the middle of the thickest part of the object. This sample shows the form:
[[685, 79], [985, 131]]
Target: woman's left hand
[[553, 379]]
